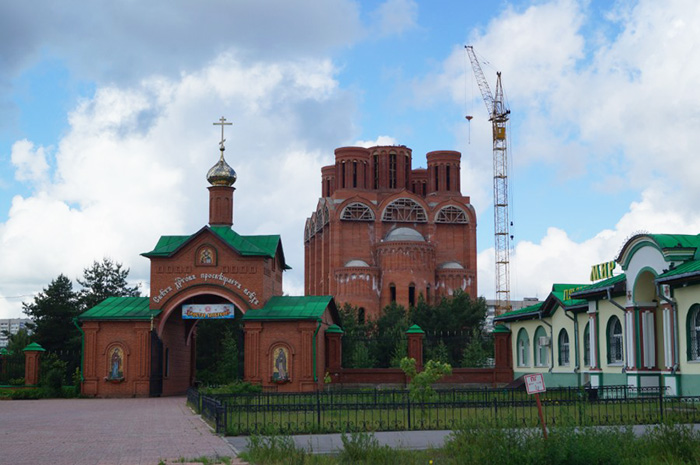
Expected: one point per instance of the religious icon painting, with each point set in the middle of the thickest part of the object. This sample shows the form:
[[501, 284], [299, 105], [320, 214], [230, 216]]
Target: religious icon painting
[[280, 364], [116, 363], [206, 256]]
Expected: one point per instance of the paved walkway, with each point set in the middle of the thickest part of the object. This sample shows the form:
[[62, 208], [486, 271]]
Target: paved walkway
[[104, 432]]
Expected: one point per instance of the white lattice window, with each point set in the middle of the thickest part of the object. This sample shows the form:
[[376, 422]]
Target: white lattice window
[[451, 214], [357, 212], [615, 353], [694, 331], [404, 210], [564, 348]]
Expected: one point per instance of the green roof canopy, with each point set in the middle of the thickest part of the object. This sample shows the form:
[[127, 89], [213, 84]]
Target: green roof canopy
[[282, 308], [265, 246], [616, 284], [674, 247], [532, 310], [120, 308], [689, 269], [34, 347]]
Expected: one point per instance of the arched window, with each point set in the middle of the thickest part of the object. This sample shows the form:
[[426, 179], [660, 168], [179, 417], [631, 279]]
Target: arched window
[[412, 295], [564, 348], [451, 214], [392, 171], [357, 211], [587, 346], [392, 292], [615, 350], [694, 332], [541, 347], [375, 169], [523, 348], [361, 315], [404, 210]]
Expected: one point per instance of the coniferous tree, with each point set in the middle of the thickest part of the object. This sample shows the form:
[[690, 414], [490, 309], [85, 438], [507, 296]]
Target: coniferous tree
[[104, 279], [52, 312]]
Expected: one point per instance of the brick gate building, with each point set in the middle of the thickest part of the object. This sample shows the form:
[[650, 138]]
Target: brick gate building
[[140, 346], [383, 231]]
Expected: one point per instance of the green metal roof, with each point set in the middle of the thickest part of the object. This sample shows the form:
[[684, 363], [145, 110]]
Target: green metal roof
[[600, 286], [500, 329], [266, 246], [532, 310], [684, 270], [293, 308], [415, 329], [34, 347], [561, 292], [120, 308], [334, 329], [674, 247]]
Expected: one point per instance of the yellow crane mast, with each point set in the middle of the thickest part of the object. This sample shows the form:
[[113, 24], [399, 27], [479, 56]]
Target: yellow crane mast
[[498, 115]]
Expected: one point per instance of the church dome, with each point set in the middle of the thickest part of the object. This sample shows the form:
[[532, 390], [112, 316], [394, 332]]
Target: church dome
[[404, 234], [221, 174]]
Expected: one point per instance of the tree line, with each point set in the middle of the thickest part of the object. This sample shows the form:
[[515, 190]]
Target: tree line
[[453, 333]]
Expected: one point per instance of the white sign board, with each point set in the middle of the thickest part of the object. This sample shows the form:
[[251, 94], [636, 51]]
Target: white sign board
[[534, 383], [211, 311]]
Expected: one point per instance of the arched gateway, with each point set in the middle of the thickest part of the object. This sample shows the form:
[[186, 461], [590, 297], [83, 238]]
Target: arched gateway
[[140, 346]]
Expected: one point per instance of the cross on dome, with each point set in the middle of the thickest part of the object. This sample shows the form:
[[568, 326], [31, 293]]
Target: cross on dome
[[222, 122]]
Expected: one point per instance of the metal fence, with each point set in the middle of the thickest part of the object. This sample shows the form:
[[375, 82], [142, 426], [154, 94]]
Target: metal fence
[[395, 410]]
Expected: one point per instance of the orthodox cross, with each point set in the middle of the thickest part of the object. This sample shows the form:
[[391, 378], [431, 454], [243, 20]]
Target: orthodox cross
[[222, 122]]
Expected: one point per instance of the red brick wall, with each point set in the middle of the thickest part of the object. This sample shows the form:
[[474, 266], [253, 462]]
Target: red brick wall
[[330, 247], [134, 338]]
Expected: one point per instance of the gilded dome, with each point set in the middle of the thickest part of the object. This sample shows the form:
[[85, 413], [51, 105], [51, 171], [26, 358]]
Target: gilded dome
[[221, 174]]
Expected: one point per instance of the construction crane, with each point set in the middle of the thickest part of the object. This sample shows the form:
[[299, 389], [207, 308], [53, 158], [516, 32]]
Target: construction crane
[[498, 115]]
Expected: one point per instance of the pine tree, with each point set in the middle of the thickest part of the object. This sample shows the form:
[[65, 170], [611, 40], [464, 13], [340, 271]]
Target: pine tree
[[52, 312], [104, 279]]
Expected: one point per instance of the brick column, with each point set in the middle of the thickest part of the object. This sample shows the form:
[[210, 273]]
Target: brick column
[[3, 361], [251, 352], [334, 346], [32, 353], [415, 345]]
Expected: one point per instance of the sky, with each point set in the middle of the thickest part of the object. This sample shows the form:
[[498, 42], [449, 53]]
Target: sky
[[106, 112]]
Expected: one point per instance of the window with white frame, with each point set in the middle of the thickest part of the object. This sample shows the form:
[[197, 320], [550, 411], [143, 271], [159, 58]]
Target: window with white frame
[[587, 346], [523, 348], [615, 348], [541, 347], [563, 348], [694, 333]]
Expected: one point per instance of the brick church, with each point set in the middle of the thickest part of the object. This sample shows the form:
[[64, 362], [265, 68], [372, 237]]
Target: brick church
[[141, 346], [384, 232]]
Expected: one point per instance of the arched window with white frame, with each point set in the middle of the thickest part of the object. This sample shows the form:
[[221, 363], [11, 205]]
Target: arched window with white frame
[[615, 347], [523, 348], [563, 343], [694, 333], [542, 343]]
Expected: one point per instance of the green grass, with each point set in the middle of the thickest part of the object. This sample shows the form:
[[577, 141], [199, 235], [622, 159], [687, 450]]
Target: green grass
[[486, 445]]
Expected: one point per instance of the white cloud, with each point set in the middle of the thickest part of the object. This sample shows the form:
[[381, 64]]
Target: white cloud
[[620, 111], [394, 17], [381, 140], [30, 163], [132, 167]]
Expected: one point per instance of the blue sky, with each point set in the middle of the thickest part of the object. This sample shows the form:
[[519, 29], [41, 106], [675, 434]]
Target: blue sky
[[106, 112]]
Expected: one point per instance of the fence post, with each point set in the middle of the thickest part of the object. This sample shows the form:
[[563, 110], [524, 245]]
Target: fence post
[[408, 409], [661, 403], [318, 409]]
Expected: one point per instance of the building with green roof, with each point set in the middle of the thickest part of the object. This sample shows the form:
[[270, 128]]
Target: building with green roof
[[639, 327], [139, 346]]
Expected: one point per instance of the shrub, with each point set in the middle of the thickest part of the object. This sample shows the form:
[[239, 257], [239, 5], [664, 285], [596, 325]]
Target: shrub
[[236, 387]]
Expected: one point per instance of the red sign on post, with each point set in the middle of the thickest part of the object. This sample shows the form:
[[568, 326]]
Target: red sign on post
[[534, 383]]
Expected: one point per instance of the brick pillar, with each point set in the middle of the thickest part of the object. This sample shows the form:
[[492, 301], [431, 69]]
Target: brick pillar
[[251, 352], [503, 355], [32, 353], [415, 345], [334, 346], [3, 361]]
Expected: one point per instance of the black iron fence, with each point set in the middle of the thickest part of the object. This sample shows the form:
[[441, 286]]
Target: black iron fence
[[394, 410]]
